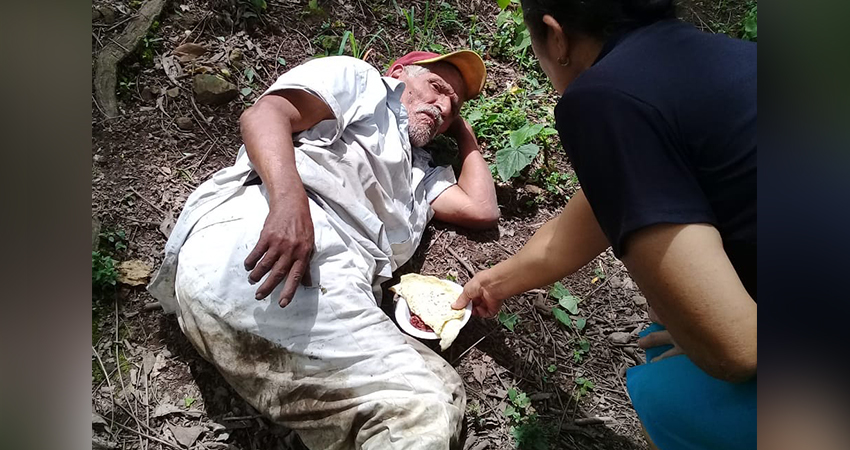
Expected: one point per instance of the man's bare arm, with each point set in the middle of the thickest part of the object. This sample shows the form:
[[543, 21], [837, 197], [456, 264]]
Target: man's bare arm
[[697, 295], [472, 202], [286, 242]]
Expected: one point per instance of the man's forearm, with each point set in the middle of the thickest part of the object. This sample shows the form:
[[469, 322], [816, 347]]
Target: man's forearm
[[267, 134], [475, 178], [558, 249]]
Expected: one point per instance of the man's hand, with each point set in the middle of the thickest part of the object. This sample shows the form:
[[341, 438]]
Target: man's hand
[[286, 242], [285, 246], [484, 304], [461, 131]]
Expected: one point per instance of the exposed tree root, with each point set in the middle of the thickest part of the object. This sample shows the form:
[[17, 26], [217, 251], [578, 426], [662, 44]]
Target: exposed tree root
[[116, 50]]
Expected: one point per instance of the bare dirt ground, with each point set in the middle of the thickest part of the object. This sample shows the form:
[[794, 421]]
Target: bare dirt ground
[[151, 390]]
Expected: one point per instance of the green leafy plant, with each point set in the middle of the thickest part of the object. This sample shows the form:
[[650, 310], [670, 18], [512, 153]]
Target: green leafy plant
[[553, 181], [113, 241], [526, 429], [531, 435], [508, 320], [552, 368], [749, 24], [583, 385], [510, 161], [254, 8], [103, 272], [565, 298], [313, 9], [517, 410], [422, 28], [188, 401], [512, 38], [582, 348]]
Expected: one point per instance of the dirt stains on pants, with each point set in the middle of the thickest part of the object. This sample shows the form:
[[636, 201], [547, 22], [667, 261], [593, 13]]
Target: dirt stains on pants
[[331, 365]]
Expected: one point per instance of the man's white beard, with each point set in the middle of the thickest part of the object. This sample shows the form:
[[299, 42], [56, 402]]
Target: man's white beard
[[420, 135]]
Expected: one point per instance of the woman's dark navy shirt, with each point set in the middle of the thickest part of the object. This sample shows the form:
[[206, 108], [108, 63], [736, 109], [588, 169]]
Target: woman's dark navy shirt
[[662, 129]]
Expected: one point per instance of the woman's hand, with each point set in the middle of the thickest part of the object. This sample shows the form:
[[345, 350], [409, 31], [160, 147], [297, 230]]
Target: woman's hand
[[657, 339], [483, 303]]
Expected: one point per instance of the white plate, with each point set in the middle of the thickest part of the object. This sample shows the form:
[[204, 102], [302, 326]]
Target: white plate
[[402, 317]]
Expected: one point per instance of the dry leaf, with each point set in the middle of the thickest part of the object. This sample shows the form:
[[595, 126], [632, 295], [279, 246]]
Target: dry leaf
[[189, 51], [158, 365], [172, 68], [134, 272], [479, 371], [165, 409], [147, 362], [167, 224], [186, 436], [97, 419]]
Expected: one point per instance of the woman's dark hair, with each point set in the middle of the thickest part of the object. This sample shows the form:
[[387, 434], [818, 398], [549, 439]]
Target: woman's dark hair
[[596, 18]]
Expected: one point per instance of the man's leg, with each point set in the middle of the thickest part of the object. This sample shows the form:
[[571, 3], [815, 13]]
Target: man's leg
[[331, 365]]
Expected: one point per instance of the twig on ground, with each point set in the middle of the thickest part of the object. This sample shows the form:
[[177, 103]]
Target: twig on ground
[[152, 306], [204, 158], [235, 418], [116, 24], [166, 443], [466, 265], [436, 239], [594, 420], [473, 345], [121, 376], [102, 367], [147, 201], [504, 249], [200, 114]]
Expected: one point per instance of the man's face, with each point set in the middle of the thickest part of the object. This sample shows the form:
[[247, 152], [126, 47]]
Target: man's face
[[432, 100]]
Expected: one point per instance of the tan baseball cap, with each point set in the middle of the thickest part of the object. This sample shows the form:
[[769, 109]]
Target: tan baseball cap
[[468, 63]]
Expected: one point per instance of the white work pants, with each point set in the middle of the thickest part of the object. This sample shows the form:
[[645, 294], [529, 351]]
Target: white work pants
[[331, 365]]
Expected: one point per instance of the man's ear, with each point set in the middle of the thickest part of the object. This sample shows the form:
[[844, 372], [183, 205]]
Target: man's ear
[[557, 43], [396, 71]]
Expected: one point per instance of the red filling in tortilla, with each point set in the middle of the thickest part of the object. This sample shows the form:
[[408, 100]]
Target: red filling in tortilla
[[419, 324]]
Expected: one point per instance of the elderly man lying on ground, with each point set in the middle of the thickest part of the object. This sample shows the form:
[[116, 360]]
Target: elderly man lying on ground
[[329, 194]]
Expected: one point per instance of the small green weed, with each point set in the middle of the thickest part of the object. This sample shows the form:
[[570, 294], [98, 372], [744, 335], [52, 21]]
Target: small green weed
[[473, 411], [532, 435], [254, 8], [422, 29], [552, 368], [599, 273], [113, 241], [313, 9], [104, 275], [526, 429], [749, 24], [583, 385], [149, 45], [582, 348], [508, 320], [188, 401], [518, 410], [565, 299], [555, 182]]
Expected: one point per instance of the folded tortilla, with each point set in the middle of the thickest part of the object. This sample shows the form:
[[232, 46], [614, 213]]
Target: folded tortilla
[[431, 299]]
